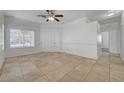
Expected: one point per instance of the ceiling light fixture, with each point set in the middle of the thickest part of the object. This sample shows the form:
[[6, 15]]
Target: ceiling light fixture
[[50, 18], [112, 13]]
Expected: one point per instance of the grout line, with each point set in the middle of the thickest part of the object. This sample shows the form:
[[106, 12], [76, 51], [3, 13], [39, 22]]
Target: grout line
[[92, 68], [44, 75], [89, 71], [72, 70], [109, 67], [69, 72], [2, 67], [22, 73]]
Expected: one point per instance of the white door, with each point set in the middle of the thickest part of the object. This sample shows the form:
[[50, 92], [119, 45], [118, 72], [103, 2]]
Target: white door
[[46, 41], [51, 41], [56, 41]]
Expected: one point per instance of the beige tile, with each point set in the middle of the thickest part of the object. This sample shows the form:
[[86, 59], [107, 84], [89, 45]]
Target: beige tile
[[78, 75], [11, 64], [41, 64], [55, 75], [97, 76], [117, 67], [42, 79], [74, 63], [100, 67], [116, 60], [3, 77], [63, 60], [83, 69], [32, 76], [66, 78], [48, 69], [104, 61], [117, 72], [63, 67], [11, 60], [57, 64], [16, 79], [29, 69], [13, 74], [88, 60], [117, 76], [11, 69]]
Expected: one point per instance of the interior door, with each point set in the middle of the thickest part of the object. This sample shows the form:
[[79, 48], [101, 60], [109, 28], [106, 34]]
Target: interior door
[[46, 39], [51, 41], [56, 41]]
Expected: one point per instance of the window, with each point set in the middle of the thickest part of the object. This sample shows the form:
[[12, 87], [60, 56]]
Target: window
[[2, 37], [21, 38]]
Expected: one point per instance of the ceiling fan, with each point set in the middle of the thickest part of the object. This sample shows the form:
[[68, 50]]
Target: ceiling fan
[[51, 16]]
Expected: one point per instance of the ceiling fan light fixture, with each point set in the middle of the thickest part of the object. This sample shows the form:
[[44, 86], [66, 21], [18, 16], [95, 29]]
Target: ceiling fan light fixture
[[51, 18]]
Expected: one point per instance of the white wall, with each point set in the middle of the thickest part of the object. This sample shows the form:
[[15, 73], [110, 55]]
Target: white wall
[[122, 37], [99, 41], [80, 37], [11, 22], [2, 57], [114, 36], [122, 44]]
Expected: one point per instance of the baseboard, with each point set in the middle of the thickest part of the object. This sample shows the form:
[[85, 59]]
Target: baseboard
[[20, 54], [78, 55]]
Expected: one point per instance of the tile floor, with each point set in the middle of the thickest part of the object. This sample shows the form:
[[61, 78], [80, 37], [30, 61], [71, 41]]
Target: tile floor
[[62, 67]]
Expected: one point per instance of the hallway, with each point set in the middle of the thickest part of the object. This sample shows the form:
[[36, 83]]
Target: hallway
[[62, 67]]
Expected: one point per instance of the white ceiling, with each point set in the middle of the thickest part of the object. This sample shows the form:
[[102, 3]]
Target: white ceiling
[[69, 15]]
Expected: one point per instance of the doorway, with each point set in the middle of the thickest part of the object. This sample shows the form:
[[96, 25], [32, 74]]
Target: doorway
[[105, 41]]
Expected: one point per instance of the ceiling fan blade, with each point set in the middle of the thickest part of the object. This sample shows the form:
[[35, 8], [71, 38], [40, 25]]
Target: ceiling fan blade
[[58, 15], [44, 16], [57, 19]]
